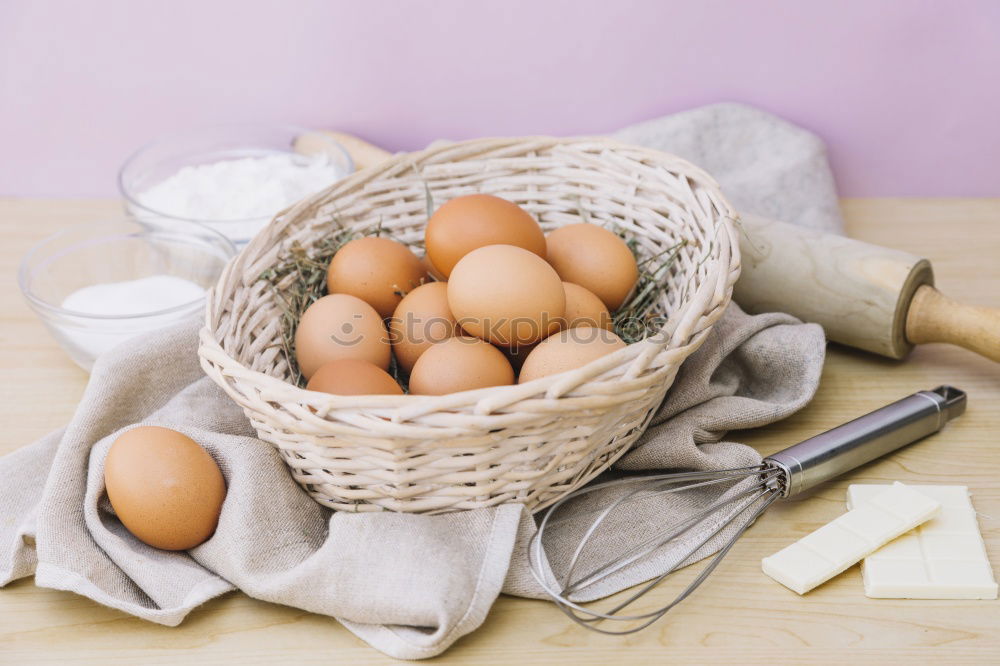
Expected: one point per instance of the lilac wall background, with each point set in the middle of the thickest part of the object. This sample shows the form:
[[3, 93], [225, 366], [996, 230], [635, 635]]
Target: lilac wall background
[[906, 92]]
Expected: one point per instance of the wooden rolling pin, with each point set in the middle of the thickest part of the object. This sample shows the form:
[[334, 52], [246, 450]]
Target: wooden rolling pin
[[863, 295]]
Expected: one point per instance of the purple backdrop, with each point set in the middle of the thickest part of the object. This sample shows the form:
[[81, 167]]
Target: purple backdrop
[[906, 92]]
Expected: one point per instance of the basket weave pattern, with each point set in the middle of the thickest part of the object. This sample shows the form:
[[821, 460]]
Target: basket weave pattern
[[528, 443]]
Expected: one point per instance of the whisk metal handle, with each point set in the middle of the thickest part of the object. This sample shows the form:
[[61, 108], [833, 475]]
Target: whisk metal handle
[[866, 438]]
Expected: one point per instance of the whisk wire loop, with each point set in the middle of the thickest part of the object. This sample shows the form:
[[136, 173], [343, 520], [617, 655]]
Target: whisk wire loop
[[656, 542], [636, 495], [751, 501]]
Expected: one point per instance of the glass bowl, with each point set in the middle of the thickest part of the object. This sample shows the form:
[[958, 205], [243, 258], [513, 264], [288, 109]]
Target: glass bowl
[[120, 251], [225, 204]]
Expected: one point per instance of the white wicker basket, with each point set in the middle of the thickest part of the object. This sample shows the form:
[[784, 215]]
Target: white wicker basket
[[528, 443]]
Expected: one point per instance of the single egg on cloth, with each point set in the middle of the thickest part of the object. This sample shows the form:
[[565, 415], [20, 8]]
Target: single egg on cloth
[[165, 489], [379, 271], [340, 326], [583, 308], [594, 258], [461, 363], [421, 319], [352, 376], [567, 350], [466, 223], [506, 295]]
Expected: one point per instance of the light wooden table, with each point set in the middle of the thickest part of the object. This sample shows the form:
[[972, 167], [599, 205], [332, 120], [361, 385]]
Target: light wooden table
[[738, 616]]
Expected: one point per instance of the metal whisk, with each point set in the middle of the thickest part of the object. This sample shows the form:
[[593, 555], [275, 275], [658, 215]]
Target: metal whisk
[[744, 494]]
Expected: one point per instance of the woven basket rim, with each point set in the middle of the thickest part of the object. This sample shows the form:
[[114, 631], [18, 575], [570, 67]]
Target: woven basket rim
[[408, 405]]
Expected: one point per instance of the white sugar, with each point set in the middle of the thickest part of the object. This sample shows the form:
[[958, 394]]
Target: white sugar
[[86, 339], [149, 294], [250, 189]]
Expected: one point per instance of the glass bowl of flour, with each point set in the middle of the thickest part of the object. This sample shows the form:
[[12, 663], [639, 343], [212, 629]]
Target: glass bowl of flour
[[98, 285], [233, 178]]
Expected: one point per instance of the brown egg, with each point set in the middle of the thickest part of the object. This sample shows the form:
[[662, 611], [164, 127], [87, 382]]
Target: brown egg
[[594, 258], [421, 319], [583, 308], [377, 270], [567, 350], [165, 489], [506, 295], [461, 363], [428, 265], [466, 223], [340, 326], [351, 376]]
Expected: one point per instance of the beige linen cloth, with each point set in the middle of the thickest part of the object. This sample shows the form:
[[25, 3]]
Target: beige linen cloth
[[409, 585]]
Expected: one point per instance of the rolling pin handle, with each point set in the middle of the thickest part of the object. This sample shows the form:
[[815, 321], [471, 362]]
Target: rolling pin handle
[[363, 153], [933, 317]]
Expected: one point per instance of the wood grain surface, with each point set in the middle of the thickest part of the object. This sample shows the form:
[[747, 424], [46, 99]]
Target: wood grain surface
[[738, 617]]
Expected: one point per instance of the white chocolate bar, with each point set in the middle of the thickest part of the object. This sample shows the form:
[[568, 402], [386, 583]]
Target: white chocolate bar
[[945, 558], [818, 557]]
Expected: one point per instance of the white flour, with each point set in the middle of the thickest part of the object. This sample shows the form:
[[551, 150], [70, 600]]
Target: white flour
[[241, 194]]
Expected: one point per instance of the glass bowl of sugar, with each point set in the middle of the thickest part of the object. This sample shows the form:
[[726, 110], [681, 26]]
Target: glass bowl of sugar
[[97, 285], [233, 178]]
